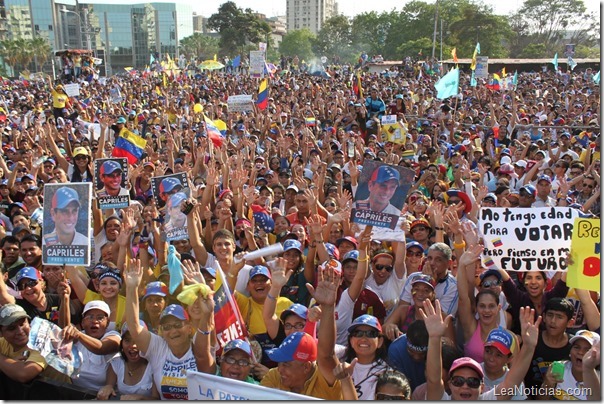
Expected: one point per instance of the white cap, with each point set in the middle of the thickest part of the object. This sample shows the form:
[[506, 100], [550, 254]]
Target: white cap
[[520, 163], [99, 305], [505, 160]]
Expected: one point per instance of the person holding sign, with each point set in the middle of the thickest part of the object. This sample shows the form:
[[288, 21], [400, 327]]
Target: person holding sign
[[382, 185], [64, 211], [110, 173]]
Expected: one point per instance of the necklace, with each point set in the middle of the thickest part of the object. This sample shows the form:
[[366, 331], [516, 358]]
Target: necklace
[[131, 372]]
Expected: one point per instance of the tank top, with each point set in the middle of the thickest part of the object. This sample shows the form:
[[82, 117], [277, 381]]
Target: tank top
[[474, 348]]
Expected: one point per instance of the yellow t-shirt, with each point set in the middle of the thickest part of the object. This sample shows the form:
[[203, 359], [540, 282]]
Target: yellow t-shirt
[[316, 386], [121, 308], [58, 99], [7, 350], [251, 312]]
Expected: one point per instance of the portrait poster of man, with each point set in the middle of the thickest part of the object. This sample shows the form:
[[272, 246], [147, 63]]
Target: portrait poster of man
[[111, 179], [66, 227], [381, 194], [167, 185], [170, 191]]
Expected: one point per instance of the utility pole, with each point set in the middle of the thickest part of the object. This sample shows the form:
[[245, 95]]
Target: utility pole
[[435, 27]]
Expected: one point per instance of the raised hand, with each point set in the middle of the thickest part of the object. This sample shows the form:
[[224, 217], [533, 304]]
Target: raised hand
[[314, 224], [391, 331], [591, 359], [529, 328], [433, 318], [192, 272], [279, 275], [133, 273], [344, 370], [470, 256], [327, 287]]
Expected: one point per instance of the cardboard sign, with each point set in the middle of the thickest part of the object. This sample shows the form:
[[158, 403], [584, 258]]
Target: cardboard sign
[[392, 130], [170, 191], [584, 273], [72, 90], [482, 67], [66, 227], [111, 178], [257, 64], [519, 239], [240, 103]]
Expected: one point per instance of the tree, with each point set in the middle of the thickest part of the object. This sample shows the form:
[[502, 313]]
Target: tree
[[298, 42], [41, 50], [199, 46], [370, 33], [335, 39]]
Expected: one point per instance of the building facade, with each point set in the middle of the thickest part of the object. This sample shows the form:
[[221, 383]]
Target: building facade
[[310, 14]]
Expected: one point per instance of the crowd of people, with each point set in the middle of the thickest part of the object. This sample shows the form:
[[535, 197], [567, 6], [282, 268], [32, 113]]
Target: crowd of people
[[338, 314]]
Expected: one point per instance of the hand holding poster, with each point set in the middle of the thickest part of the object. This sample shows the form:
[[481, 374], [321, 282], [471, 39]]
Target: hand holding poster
[[111, 178], [45, 337], [584, 272], [392, 130], [66, 224], [518, 239]]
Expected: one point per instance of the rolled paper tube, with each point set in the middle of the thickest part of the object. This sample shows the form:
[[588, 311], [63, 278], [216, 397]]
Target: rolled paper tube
[[263, 252]]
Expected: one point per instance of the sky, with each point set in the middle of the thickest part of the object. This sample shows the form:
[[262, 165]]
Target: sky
[[347, 7]]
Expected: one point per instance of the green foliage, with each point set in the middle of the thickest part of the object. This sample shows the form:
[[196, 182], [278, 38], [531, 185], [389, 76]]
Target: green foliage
[[533, 51], [335, 39], [298, 42], [414, 47], [20, 53], [200, 46]]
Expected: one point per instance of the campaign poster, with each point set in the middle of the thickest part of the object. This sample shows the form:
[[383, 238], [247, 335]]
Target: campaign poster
[[381, 194], [111, 180], [482, 67], [46, 338], [257, 63], [518, 239], [170, 191], [584, 273], [66, 226]]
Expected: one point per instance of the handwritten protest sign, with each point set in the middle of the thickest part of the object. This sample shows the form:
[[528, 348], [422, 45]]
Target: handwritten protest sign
[[240, 103], [584, 273], [518, 239], [257, 64], [204, 386], [72, 90]]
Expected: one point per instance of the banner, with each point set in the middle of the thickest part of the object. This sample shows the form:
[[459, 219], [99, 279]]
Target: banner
[[203, 386], [257, 64], [72, 90], [482, 67], [45, 337], [519, 239], [66, 227], [392, 130], [240, 103], [111, 179], [584, 273]]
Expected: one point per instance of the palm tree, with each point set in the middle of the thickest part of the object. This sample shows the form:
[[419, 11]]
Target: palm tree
[[42, 50]]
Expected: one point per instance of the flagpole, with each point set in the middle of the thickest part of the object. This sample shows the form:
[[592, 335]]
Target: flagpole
[[435, 27]]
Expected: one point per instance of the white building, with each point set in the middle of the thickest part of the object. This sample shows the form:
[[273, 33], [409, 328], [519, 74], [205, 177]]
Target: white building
[[309, 14]]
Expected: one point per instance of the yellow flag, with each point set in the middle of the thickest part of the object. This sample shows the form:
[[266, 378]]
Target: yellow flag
[[454, 54], [215, 57], [164, 80]]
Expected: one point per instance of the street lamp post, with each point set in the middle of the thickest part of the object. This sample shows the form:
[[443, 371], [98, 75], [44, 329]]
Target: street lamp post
[[87, 30]]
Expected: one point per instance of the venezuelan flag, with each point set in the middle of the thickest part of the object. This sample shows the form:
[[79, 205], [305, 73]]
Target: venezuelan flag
[[229, 324], [489, 263], [497, 242], [262, 100], [311, 121], [130, 146], [495, 84], [213, 132]]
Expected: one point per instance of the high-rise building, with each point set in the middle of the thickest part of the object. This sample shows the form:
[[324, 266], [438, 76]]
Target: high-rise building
[[310, 14]]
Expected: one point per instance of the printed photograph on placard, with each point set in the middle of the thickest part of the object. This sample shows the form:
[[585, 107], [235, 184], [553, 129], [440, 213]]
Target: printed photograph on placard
[[381, 194], [66, 224], [111, 180], [170, 191], [167, 185]]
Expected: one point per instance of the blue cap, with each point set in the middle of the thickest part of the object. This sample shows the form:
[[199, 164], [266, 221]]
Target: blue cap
[[415, 244], [260, 270], [332, 250], [28, 273], [297, 346], [4, 182], [366, 319], [121, 119], [175, 310], [385, 173], [506, 151], [237, 344], [490, 272], [297, 309], [179, 161], [156, 288], [211, 271], [264, 221], [125, 327], [168, 184], [423, 278], [530, 189], [110, 166], [177, 198], [63, 197], [351, 255], [501, 339], [544, 177], [292, 245]]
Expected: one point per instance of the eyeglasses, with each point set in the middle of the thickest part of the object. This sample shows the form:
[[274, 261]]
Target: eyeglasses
[[588, 185], [365, 333], [413, 230], [330, 205], [381, 267], [388, 397], [241, 362], [98, 317], [490, 284], [415, 254], [573, 173], [297, 326], [168, 327], [29, 284], [113, 175], [81, 157], [472, 382]]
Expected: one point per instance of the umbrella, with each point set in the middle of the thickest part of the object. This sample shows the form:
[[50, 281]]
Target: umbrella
[[211, 65]]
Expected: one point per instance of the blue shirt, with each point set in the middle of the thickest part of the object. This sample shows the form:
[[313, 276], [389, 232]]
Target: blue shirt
[[399, 359]]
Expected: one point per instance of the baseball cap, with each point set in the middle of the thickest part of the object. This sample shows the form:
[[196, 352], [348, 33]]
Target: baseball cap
[[351, 255], [530, 189], [505, 160], [365, 319], [463, 196], [506, 151], [260, 270], [292, 245], [589, 336], [501, 339], [331, 263], [466, 362], [350, 239], [385, 173], [168, 184], [28, 273], [174, 310], [415, 244], [156, 288], [98, 305], [420, 222], [490, 272], [297, 309], [211, 271], [507, 169], [332, 250], [121, 119], [19, 229], [423, 278], [520, 163], [490, 196], [63, 197], [125, 329], [544, 177], [110, 166], [80, 151], [237, 344], [297, 346], [11, 313]]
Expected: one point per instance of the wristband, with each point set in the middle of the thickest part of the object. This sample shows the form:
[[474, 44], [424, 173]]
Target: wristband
[[271, 297], [230, 275], [365, 260], [460, 245], [204, 332], [439, 228]]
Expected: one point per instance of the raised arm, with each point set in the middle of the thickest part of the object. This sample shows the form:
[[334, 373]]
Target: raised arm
[[133, 275], [465, 312], [436, 326], [279, 278]]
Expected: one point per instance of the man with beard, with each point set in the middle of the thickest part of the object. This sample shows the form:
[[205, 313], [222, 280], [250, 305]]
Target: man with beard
[[111, 177]]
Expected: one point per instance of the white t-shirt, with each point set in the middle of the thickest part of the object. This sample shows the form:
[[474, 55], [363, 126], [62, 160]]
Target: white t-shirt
[[488, 396], [490, 384], [344, 313], [93, 372], [570, 388], [242, 277], [389, 291], [143, 387], [365, 377], [169, 372]]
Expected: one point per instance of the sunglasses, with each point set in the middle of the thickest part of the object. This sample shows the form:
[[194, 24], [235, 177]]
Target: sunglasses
[[297, 326], [330, 205], [490, 284], [415, 254], [472, 382], [168, 327], [381, 267], [241, 362], [365, 333], [388, 397], [28, 284], [80, 157], [588, 185]]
